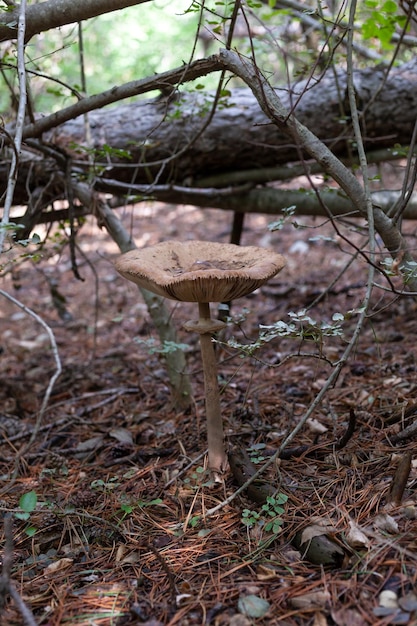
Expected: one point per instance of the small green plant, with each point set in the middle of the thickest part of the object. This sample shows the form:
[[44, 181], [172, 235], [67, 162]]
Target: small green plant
[[269, 516], [279, 224], [54, 471], [194, 521], [105, 485], [27, 504], [301, 326], [105, 152], [127, 508], [392, 268], [255, 453], [199, 478]]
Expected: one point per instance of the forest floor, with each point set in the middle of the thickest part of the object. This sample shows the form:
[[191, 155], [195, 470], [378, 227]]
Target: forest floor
[[120, 532]]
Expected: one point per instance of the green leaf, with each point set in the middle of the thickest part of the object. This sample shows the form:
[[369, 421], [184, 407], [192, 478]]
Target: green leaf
[[154, 502], [28, 501], [11, 226], [22, 516], [389, 6]]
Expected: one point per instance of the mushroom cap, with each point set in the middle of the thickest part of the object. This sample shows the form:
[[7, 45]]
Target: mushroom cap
[[200, 271]]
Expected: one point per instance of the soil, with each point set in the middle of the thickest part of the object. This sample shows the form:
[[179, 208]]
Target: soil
[[123, 531]]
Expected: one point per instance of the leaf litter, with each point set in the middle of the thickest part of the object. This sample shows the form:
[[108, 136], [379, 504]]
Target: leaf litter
[[121, 534]]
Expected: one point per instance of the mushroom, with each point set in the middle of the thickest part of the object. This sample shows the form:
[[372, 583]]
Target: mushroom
[[203, 272]]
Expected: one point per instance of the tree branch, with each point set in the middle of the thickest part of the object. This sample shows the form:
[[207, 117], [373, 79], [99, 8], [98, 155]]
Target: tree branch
[[55, 13], [159, 312], [12, 177], [7, 586], [306, 141], [176, 76]]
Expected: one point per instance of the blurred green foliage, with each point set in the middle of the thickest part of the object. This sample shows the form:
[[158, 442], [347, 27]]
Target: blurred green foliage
[[118, 47]]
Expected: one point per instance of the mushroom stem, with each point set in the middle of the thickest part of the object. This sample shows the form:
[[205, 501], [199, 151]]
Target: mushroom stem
[[217, 458]]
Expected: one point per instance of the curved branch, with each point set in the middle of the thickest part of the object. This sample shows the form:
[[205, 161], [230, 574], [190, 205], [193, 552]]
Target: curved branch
[[306, 141]]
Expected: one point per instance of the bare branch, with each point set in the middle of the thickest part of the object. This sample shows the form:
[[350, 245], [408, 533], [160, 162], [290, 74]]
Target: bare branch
[[306, 141], [159, 312], [12, 178], [55, 13], [49, 388], [176, 76]]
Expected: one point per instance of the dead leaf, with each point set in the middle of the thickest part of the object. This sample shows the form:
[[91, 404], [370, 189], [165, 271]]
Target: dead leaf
[[356, 538], [319, 549], [316, 427], [120, 552], [265, 573], [309, 600], [58, 566], [316, 530], [253, 606], [408, 602], [320, 619], [122, 434], [393, 381], [388, 599], [90, 444], [386, 523], [347, 617]]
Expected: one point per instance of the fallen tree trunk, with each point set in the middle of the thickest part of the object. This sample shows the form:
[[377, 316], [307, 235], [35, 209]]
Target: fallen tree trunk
[[240, 135], [157, 142]]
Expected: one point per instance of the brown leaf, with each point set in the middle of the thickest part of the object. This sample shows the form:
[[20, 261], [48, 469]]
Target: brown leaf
[[57, 566], [315, 530], [311, 599], [355, 538]]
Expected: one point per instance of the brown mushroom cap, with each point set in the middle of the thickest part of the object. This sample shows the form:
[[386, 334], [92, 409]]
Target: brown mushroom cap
[[200, 271]]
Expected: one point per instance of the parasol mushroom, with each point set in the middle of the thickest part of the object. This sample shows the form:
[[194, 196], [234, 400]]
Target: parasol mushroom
[[203, 272]]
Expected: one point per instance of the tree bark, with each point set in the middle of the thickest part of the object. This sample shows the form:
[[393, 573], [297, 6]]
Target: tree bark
[[307, 141], [181, 392], [166, 147], [240, 134], [55, 13]]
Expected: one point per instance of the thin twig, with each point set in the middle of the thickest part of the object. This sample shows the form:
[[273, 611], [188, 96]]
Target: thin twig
[[7, 586], [20, 121], [185, 469], [406, 433], [54, 377], [7, 559], [345, 438], [167, 570]]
